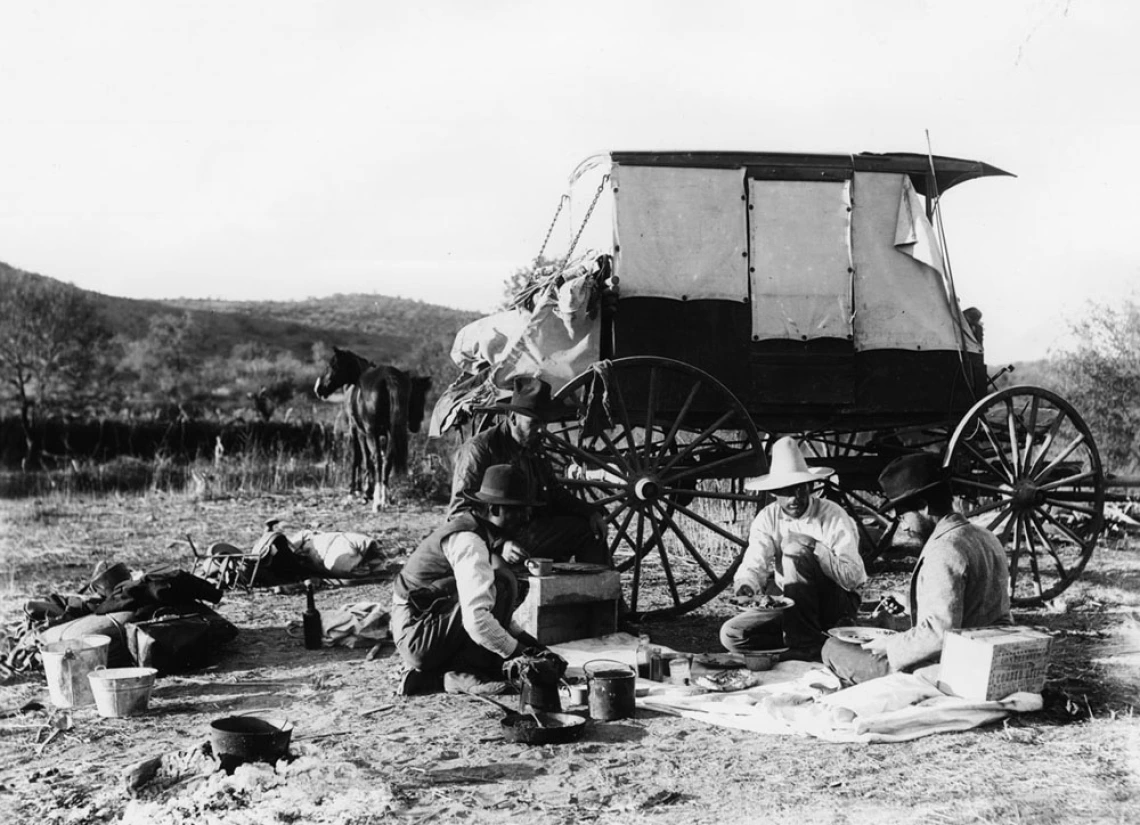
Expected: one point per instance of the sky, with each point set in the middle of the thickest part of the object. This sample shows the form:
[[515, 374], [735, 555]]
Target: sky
[[288, 149]]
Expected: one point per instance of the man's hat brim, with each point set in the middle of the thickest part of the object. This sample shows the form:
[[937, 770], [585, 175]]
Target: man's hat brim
[[503, 409], [502, 501], [778, 481], [895, 502]]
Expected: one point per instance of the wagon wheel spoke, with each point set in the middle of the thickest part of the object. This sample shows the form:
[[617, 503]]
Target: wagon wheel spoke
[[985, 463], [1033, 565], [748, 498], [627, 426], [1002, 516], [666, 565], [1068, 451], [999, 453], [691, 446], [1046, 445], [635, 588], [696, 555], [1030, 429], [1014, 451], [988, 488], [1068, 505], [671, 438], [1035, 520], [650, 409], [1065, 530], [620, 533], [1015, 555]]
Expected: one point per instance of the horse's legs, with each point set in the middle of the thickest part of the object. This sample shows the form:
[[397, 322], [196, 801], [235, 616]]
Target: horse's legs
[[354, 478], [375, 473], [384, 468]]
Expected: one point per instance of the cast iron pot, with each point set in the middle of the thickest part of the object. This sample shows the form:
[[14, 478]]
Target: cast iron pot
[[238, 739]]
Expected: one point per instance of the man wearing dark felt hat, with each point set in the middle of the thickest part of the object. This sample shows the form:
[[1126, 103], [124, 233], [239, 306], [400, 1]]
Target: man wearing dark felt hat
[[961, 578], [453, 598], [566, 527]]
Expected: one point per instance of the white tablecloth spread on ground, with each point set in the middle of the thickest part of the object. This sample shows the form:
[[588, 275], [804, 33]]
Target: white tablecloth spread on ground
[[800, 699]]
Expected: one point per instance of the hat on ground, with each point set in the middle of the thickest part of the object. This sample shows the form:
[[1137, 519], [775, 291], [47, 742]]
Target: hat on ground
[[505, 485], [910, 475], [788, 468], [530, 396]]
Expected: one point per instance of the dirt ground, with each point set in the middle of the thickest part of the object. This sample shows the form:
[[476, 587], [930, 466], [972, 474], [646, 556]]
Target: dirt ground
[[366, 755]]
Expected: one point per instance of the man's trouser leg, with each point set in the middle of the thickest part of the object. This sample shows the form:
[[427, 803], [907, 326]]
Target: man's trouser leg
[[743, 633], [820, 603], [852, 664], [435, 639]]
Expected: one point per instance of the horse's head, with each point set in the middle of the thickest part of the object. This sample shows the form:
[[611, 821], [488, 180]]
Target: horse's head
[[343, 369], [417, 399]]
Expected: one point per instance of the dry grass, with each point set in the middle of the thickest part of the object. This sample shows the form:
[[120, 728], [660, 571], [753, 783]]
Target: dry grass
[[1076, 761]]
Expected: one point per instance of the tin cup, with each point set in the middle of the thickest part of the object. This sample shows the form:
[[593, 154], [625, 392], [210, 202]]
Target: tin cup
[[540, 567]]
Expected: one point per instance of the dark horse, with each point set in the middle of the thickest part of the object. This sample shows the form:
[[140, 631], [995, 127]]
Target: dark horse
[[383, 404]]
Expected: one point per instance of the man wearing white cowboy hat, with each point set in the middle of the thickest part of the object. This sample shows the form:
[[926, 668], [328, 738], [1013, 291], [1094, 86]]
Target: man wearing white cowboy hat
[[803, 547], [452, 600], [567, 527], [961, 578]]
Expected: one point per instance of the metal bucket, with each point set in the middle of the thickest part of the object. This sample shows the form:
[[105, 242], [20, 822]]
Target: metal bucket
[[122, 691], [612, 689], [66, 665]]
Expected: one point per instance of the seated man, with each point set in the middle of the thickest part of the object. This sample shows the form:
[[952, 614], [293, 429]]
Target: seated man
[[961, 578], [567, 527], [803, 547], [452, 601]]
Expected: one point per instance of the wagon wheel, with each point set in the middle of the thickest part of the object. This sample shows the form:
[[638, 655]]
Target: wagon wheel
[[1026, 465], [664, 448]]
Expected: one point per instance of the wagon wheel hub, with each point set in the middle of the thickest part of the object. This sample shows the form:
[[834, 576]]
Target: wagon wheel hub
[[647, 488], [1026, 496]]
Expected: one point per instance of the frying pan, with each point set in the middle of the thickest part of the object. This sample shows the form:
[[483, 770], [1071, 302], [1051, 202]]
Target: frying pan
[[540, 727]]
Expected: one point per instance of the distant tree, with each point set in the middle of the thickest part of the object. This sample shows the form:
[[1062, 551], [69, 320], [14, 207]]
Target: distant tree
[[161, 358], [1101, 374], [50, 338]]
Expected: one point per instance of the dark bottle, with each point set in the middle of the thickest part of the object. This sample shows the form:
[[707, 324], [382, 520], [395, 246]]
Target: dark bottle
[[311, 620]]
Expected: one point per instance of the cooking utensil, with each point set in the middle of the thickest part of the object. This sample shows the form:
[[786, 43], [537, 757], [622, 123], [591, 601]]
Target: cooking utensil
[[538, 728], [243, 738]]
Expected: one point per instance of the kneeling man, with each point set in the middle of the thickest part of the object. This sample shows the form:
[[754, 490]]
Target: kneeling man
[[452, 601], [961, 579]]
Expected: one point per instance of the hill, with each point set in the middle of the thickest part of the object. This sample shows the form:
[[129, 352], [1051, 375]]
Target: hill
[[391, 330]]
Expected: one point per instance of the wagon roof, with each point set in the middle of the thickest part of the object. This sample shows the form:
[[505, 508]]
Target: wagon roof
[[948, 171]]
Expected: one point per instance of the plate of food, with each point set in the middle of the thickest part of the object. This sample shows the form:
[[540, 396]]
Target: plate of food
[[761, 603], [859, 635]]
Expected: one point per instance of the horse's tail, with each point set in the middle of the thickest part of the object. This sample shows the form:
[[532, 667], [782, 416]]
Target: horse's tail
[[398, 393]]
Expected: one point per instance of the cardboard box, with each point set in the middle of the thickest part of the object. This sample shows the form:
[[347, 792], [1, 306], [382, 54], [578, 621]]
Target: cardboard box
[[988, 663]]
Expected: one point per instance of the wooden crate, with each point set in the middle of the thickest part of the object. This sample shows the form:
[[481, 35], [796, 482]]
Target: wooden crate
[[987, 663]]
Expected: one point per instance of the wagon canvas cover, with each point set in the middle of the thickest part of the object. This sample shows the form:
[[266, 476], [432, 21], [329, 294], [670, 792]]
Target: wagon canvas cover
[[852, 258]]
